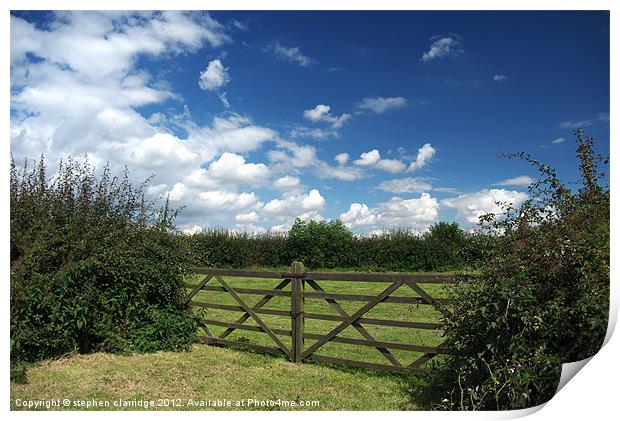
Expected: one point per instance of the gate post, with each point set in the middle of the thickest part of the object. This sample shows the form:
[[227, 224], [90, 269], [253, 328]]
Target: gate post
[[297, 311]]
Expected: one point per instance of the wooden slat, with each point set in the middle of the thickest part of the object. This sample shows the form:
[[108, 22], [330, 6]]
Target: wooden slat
[[359, 313], [228, 342], [242, 273], [361, 330], [355, 297], [232, 325], [427, 357], [363, 364], [257, 319], [378, 322], [254, 291], [414, 286], [379, 344], [196, 288], [425, 278], [239, 308]]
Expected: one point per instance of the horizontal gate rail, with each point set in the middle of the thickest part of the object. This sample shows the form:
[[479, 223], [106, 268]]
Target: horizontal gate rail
[[364, 364], [352, 297], [423, 278], [378, 322], [240, 309], [254, 291], [255, 347], [297, 278]]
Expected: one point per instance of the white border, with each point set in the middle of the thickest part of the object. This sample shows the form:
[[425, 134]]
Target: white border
[[590, 394]]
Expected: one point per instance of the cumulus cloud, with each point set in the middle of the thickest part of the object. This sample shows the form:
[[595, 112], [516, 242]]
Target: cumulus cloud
[[380, 104], [342, 158], [303, 206], [520, 181], [224, 200], [425, 153], [290, 54], [443, 47], [397, 212], [321, 113], [214, 78], [499, 78], [286, 182], [471, 206], [372, 159], [247, 217], [406, 185], [558, 140]]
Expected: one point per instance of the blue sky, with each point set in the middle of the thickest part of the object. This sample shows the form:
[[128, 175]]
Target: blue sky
[[251, 119]]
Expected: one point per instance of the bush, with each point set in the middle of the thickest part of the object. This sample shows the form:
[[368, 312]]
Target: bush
[[329, 245], [541, 300], [92, 263], [325, 244]]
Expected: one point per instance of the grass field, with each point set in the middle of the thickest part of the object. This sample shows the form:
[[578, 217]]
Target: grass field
[[209, 372], [392, 311]]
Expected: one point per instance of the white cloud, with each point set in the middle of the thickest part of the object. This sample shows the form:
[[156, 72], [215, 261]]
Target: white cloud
[[286, 182], [232, 169], [520, 181], [223, 200], [194, 229], [358, 215], [368, 159], [159, 151], [499, 78], [247, 217], [443, 47], [284, 211], [314, 133], [558, 140], [576, 124], [340, 172], [380, 105], [372, 159], [397, 212], [178, 192], [214, 77], [406, 185], [471, 206], [342, 158], [291, 54], [425, 153], [321, 113]]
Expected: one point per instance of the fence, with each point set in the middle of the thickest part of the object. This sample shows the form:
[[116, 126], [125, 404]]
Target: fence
[[298, 279]]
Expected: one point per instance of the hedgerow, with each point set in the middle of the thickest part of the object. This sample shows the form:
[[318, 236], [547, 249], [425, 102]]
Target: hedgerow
[[330, 244], [94, 266], [541, 299]]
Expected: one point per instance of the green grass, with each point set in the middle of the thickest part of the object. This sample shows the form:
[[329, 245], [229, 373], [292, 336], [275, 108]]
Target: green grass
[[392, 311], [209, 372]]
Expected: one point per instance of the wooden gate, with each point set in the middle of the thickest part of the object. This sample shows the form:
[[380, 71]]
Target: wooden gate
[[298, 285]]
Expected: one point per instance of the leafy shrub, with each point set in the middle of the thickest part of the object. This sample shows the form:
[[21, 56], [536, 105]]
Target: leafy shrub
[[320, 244], [92, 262], [541, 299], [329, 245]]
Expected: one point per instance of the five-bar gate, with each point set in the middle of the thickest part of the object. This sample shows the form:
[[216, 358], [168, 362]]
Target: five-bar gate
[[306, 285]]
